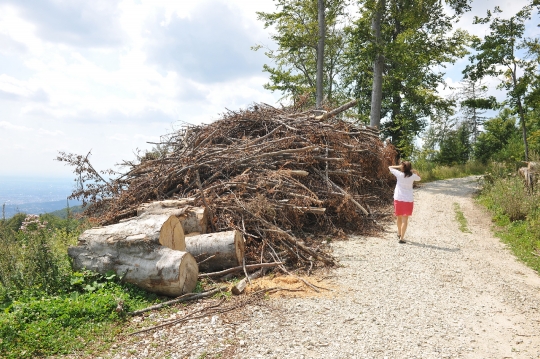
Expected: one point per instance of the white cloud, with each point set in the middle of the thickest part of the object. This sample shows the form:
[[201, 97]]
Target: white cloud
[[111, 75], [54, 133], [9, 126]]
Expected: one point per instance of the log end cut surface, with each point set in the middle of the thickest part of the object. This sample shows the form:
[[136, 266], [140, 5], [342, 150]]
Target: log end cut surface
[[172, 234], [239, 246], [189, 268]]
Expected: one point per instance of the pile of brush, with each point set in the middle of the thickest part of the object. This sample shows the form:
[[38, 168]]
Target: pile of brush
[[283, 177]]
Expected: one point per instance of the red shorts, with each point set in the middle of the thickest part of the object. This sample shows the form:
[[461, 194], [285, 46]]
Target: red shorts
[[403, 208]]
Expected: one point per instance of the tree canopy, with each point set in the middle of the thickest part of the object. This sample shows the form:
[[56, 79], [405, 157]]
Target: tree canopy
[[391, 55]]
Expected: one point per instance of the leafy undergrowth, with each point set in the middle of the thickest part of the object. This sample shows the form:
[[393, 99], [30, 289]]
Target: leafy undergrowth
[[35, 326], [516, 211], [430, 171], [46, 308]]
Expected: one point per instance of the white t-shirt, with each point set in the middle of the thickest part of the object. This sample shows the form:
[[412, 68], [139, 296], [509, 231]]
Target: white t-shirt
[[404, 186]]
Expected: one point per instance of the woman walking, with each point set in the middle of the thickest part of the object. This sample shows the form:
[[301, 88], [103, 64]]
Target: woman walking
[[403, 196]]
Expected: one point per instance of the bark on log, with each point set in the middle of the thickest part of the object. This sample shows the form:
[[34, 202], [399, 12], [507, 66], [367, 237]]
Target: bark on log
[[138, 260], [193, 219], [170, 204], [161, 229], [227, 249]]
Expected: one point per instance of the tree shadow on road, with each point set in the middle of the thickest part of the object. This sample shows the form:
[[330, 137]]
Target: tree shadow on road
[[433, 247]]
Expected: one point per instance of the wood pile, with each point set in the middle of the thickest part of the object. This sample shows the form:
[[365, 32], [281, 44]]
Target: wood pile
[[281, 178], [530, 174]]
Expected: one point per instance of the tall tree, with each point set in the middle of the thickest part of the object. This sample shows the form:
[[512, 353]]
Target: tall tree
[[456, 147], [296, 36], [320, 53], [497, 56], [532, 98], [378, 63], [416, 39], [498, 133], [474, 105]]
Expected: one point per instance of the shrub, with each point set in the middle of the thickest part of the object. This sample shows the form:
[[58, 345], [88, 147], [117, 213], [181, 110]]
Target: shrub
[[48, 309], [510, 197], [432, 172], [34, 258], [42, 326]]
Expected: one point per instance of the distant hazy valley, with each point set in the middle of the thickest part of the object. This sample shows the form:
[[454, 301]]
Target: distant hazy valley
[[34, 195]]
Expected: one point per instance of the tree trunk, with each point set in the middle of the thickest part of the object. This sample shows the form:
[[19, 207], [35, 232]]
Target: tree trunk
[[523, 129], [136, 256], [320, 53], [221, 249], [376, 93], [192, 219]]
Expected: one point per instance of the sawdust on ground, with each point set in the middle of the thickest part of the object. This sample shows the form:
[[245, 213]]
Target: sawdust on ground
[[291, 286]]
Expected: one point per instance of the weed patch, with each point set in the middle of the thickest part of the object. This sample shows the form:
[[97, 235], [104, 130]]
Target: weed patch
[[460, 218], [432, 172], [47, 309], [516, 211]]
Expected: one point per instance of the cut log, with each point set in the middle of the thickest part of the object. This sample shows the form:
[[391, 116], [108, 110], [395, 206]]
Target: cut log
[[161, 229], [227, 249], [170, 204], [139, 260], [529, 176], [193, 219]]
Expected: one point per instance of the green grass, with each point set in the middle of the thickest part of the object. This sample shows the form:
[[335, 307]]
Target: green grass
[[430, 172], [460, 218], [516, 212], [46, 309], [34, 326], [524, 243]]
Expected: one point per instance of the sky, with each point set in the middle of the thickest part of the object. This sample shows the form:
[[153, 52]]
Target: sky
[[109, 76]]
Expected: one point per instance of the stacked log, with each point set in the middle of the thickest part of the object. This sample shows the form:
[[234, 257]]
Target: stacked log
[[217, 251], [193, 219], [213, 251], [139, 251], [529, 174]]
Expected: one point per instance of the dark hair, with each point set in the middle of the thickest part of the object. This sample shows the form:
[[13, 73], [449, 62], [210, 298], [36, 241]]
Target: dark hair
[[406, 168]]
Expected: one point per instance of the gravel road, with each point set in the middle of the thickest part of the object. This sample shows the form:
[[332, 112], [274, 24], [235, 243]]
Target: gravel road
[[443, 294]]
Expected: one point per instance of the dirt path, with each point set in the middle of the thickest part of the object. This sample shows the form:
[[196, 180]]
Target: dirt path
[[444, 294]]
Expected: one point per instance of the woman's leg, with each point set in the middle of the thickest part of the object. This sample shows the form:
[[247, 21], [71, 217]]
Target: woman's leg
[[404, 222], [399, 224]]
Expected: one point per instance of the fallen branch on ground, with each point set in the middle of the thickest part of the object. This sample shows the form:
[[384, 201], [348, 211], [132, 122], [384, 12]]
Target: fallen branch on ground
[[184, 298]]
